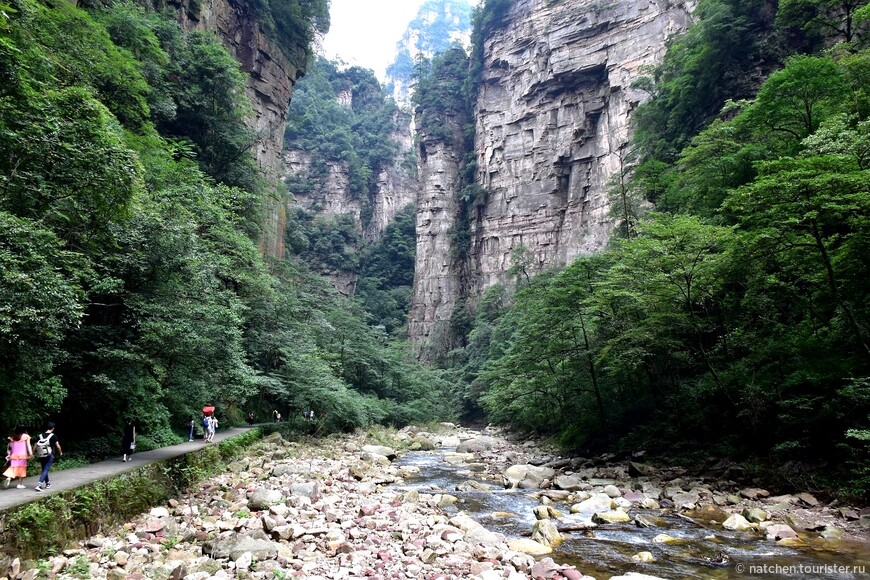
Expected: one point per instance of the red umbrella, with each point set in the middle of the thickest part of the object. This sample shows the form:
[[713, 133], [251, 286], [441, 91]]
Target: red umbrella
[[208, 410]]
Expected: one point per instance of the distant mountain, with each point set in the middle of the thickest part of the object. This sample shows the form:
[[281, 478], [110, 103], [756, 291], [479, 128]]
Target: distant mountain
[[439, 24]]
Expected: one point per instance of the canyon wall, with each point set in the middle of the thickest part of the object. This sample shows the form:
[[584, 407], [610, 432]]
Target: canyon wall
[[552, 125], [330, 194], [272, 71]]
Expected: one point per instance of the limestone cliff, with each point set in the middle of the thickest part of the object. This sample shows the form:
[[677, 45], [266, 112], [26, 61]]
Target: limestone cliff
[[330, 194], [552, 121], [272, 71]]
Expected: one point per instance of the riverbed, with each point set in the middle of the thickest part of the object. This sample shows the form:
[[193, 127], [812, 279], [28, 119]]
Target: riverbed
[[700, 550]]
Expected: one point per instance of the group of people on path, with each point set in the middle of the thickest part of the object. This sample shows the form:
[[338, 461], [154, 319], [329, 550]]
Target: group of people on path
[[20, 450]]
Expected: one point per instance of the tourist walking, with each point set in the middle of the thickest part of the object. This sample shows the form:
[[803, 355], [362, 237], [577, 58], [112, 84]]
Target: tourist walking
[[19, 452], [46, 444], [128, 443], [191, 424], [212, 427]]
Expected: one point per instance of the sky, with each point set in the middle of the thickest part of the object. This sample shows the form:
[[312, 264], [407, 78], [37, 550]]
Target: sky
[[365, 32]]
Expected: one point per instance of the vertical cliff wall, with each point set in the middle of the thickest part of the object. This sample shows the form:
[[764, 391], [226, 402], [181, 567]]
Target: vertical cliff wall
[[438, 279], [553, 116], [272, 71], [329, 192]]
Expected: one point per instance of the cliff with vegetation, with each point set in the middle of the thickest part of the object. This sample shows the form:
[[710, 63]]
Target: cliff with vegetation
[[714, 302], [551, 111], [273, 58], [132, 204]]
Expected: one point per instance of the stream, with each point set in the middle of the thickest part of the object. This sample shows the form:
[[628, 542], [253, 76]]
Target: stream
[[699, 552]]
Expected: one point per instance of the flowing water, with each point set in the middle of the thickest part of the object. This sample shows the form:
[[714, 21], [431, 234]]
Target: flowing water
[[701, 551]]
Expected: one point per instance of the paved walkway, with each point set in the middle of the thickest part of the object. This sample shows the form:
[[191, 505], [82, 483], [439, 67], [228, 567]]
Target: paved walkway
[[79, 476]]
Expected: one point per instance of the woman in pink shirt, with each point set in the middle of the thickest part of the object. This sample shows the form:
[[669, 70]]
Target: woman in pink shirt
[[19, 453]]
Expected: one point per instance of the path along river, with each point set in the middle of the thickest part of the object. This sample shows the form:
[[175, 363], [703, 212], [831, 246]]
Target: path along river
[[700, 550]]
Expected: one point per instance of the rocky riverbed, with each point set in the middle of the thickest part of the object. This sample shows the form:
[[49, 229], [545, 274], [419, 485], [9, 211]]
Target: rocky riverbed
[[340, 508]]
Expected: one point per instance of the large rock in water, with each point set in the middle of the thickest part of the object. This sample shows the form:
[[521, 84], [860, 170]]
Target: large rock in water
[[476, 445], [599, 502], [546, 533], [530, 547], [526, 476]]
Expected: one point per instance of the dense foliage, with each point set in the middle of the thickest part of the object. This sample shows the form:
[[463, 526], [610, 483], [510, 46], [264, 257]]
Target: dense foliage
[[734, 320], [344, 122], [130, 280]]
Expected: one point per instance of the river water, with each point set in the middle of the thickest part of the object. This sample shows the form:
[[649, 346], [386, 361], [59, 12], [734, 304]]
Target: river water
[[702, 551]]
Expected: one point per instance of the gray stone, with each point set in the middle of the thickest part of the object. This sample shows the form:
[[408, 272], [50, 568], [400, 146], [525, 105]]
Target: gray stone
[[570, 483], [597, 503], [755, 515], [545, 532], [636, 469], [737, 523], [262, 499], [611, 517], [780, 532], [686, 501], [310, 489], [526, 476], [612, 491], [382, 450], [476, 445]]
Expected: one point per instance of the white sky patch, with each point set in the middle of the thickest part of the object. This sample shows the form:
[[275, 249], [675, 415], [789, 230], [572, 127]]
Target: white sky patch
[[365, 32]]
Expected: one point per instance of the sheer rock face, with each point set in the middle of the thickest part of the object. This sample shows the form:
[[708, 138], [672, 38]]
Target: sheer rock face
[[395, 190], [272, 71], [552, 123], [437, 272]]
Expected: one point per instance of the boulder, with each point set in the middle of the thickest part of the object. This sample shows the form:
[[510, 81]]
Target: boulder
[[636, 469], [737, 523], [234, 547], [310, 489], [382, 450], [476, 445], [545, 532], [599, 502], [832, 533], [526, 476], [262, 499], [649, 503], [780, 532], [754, 493], [570, 483], [686, 500], [755, 515], [648, 521], [611, 517], [530, 547], [808, 499], [612, 491], [644, 557], [421, 443]]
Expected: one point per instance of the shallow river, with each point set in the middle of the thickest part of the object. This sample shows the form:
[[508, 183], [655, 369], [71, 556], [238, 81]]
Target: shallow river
[[702, 552]]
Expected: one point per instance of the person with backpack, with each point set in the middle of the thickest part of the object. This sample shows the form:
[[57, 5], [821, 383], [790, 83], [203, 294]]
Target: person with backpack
[[46, 443]]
